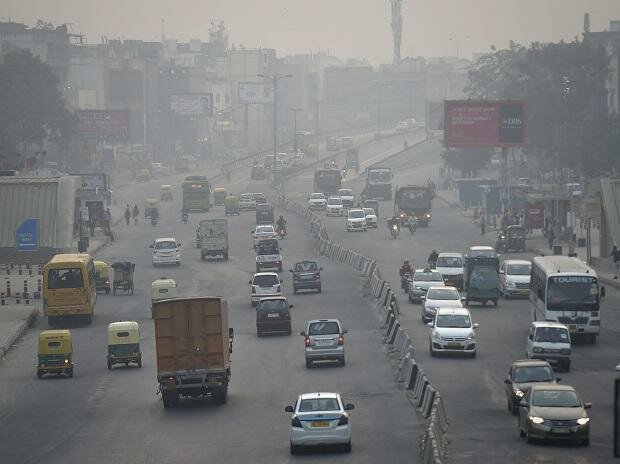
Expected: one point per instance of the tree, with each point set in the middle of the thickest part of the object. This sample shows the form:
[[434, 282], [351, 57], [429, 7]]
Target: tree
[[32, 109], [468, 160]]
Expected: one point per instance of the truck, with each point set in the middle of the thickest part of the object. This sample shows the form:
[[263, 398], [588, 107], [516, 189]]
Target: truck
[[413, 201], [212, 238], [193, 343], [378, 184], [481, 275], [352, 159], [327, 181]]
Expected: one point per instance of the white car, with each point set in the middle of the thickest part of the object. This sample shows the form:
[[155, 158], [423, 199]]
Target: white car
[[264, 284], [453, 332], [247, 201], [371, 217], [514, 278], [356, 220], [263, 232], [166, 251], [402, 126], [320, 419], [347, 197], [439, 297], [450, 266], [334, 206], [550, 341], [317, 201]]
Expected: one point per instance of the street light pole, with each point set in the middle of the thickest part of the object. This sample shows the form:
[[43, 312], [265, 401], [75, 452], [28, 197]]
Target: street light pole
[[317, 103], [295, 111]]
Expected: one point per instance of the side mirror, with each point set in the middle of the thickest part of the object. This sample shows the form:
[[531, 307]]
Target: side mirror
[[345, 331], [430, 324], [423, 298], [507, 381], [523, 404], [463, 298], [587, 405], [558, 379], [530, 336], [602, 292], [303, 334], [250, 282], [291, 306], [476, 325], [231, 332], [290, 270], [179, 244], [501, 271], [151, 245], [320, 269], [289, 409], [349, 407]]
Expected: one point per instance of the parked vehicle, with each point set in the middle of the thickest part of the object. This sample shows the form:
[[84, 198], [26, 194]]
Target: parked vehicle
[[514, 278], [124, 343], [55, 353], [522, 374], [202, 324], [212, 238], [324, 341], [162, 289], [273, 315], [102, 276], [306, 276], [549, 341]]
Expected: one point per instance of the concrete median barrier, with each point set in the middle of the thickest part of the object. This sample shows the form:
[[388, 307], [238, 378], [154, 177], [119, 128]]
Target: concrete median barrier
[[427, 401]]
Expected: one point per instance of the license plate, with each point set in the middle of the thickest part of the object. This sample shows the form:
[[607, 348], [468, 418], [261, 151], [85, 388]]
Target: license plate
[[560, 430], [323, 342], [572, 328], [272, 315], [454, 345], [320, 424]]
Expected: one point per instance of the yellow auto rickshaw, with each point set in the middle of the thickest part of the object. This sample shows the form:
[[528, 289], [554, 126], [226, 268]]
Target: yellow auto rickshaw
[[166, 192], [162, 289], [231, 205], [143, 175], [150, 205], [124, 343], [102, 276], [55, 353], [219, 196]]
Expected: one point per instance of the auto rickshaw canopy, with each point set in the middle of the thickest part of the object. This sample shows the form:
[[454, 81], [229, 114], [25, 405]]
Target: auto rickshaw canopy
[[55, 342], [123, 333]]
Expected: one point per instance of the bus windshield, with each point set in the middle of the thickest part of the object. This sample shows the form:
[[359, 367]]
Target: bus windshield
[[379, 176], [572, 293], [414, 199]]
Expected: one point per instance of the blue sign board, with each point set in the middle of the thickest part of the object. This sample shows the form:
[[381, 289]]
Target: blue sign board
[[27, 235]]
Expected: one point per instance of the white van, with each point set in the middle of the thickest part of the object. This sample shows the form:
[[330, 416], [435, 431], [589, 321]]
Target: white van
[[549, 341]]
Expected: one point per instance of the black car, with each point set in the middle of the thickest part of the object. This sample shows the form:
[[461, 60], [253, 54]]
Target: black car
[[522, 375], [306, 276]]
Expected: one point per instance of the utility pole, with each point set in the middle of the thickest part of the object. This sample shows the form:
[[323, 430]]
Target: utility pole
[[379, 111], [295, 111], [397, 27], [317, 103]]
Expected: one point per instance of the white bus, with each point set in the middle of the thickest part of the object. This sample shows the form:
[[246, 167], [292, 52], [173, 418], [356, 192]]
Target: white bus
[[566, 290]]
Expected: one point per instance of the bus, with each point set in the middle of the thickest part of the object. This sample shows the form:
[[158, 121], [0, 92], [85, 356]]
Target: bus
[[69, 288], [413, 200], [566, 290], [378, 184], [196, 194], [327, 181]]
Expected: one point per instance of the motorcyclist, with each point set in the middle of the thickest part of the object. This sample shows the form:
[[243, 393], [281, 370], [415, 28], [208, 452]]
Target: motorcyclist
[[184, 216], [405, 268], [281, 223], [411, 223], [394, 221], [432, 258], [154, 216]]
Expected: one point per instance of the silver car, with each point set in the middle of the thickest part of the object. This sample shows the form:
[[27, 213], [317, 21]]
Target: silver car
[[324, 341]]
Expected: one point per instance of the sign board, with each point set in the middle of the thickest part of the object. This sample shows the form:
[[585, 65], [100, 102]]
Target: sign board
[[256, 92], [434, 116], [27, 235], [192, 104], [107, 124], [484, 123]]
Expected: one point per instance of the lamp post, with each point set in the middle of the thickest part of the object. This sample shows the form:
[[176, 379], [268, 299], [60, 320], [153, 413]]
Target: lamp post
[[317, 104], [274, 80], [295, 111]]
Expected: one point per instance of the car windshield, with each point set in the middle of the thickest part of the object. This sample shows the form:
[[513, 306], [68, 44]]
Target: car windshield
[[317, 196], [532, 374], [319, 404], [449, 261], [518, 269], [306, 266], [453, 321], [334, 201], [264, 229], [268, 247], [268, 280], [555, 399], [356, 214], [427, 277], [484, 252], [324, 328], [272, 305], [165, 245], [552, 335], [346, 193], [442, 294]]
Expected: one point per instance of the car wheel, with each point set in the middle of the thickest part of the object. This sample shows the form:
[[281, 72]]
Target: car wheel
[[294, 449], [319, 289], [585, 442], [109, 365], [430, 349], [308, 364], [343, 362], [347, 447], [140, 363], [495, 303]]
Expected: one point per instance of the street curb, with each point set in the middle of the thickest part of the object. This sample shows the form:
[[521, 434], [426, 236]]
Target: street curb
[[21, 329]]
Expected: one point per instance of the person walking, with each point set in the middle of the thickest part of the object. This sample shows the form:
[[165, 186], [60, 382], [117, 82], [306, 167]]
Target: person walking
[[91, 224], [127, 214], [135, 214], [483, 225], [551, 236], [615, 256]]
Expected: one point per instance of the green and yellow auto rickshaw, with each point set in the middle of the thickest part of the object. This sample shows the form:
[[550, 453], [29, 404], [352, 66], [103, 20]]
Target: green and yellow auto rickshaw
[[151, 205], [102, 276], [219, 196], [124, 343], [55, 353], [231, 205]]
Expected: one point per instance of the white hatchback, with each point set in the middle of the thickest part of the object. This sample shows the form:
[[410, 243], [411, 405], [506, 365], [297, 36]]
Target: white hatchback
[[166, 251], [334, 206], [317, 201], [264, 284], [356, 220], [320, 419]]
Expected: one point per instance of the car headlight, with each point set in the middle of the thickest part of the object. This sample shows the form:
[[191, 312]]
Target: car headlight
[[470, 336], [436, 336], [417, 287], [518, 392], [538, 349], [510, 284], [536, 420], [565, 351], [583, 420]]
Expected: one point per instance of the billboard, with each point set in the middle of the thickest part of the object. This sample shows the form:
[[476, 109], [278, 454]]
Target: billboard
[[255, 92], [484, 123], [107, 124], [192, 104]]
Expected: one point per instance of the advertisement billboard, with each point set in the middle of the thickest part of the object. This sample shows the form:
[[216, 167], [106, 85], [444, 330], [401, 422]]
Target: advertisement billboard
[[484, 123], [255, 92], [106, 124], [192, 104]]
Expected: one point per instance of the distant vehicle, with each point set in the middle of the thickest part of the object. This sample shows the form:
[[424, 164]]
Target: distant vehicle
[[346, 142], [320, 419], [306, 276], [166, 251], [327, 181], [371, 217], [334, 206], [554, 412], [450, 265], [196, 194], [439, 297], [202, 324], [247, 202], [378, 184], [258, 173], [333, 143], [268, 255], [212, 238], [567, 290], [549, 341], [264, 213], [352, 159], [413, 200], [522, 375], [157, 169], [402, 126], [273, 315], [263, 232], [356, 220], [162, 289], [514, 278], [143, 175], [317, 201], [347, 197], [453, 332], [264, 285], [324, 341], [259, 198], [421, 281]]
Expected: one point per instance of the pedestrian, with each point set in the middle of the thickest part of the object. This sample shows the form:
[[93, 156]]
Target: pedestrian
[[91, 225], [615, 256], [136, 213], [551, 236], [127, 214], [483, 225]]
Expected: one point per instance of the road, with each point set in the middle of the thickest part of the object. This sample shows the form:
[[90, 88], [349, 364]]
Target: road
[[103, 416], [481, 428]]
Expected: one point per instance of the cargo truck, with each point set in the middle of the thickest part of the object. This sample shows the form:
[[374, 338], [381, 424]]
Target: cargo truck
[[212, 238], [193, 344], [327, 181]]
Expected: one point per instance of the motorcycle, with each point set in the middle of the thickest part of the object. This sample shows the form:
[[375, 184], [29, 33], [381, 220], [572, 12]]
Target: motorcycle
[[394, 230], [281, 232], [184, 218], [404, 280]]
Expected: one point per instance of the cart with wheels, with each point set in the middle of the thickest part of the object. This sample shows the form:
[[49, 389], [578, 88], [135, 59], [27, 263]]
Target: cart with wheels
[[123, 277]]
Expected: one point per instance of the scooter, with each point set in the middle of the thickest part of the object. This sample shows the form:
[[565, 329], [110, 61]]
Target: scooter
[[404, 280], [184, 218], [394, 230]]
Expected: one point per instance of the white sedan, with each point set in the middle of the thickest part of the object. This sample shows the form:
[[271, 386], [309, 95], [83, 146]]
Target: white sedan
[[371, 217], [317, 201], [263, 232], [320, 419], [440, 297]]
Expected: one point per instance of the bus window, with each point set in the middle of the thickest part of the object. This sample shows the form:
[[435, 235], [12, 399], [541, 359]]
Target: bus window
[[65, 278]]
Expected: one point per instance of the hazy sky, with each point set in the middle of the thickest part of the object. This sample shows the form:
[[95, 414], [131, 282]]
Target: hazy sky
[[347, 28]]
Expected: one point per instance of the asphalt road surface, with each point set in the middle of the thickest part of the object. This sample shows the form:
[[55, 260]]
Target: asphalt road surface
[[103, 416], [481, 428]]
